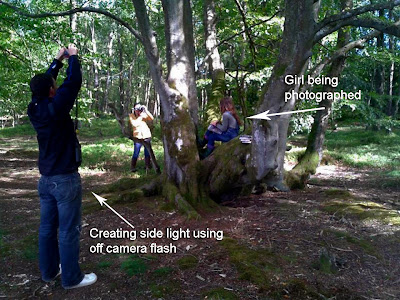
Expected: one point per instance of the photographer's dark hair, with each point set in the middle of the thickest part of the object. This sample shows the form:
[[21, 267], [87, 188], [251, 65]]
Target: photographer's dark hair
[[40, 85]]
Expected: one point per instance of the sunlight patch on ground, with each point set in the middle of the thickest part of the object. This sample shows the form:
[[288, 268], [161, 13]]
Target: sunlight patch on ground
[[95, 171], [18, 191], [332, 171]]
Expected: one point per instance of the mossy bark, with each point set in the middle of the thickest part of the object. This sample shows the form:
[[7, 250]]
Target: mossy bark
[[224, 173], [217, 92]]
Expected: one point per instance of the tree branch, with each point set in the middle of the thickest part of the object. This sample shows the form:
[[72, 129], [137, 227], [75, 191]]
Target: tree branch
[[348, 14], [316, 71], [246, 29], [74, 11], [382, 26], [201, 66]]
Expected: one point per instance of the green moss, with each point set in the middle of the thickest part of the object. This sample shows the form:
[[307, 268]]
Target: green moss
[[220, 294], [298, 176], [126, 183], [162, 272], [187, 262], [129, 196], [338, 193], [224, 170], [5, 249], [367, 246], [30, 247], [325, 265], [362, 210], [160, 291], [170, 191], [256, 266], [134, 266], [103, 265]]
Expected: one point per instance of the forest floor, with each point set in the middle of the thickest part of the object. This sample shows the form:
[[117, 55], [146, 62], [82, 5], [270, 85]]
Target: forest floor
[[337, 239]]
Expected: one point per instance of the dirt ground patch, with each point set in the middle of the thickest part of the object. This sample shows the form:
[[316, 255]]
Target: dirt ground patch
[[338, 239]]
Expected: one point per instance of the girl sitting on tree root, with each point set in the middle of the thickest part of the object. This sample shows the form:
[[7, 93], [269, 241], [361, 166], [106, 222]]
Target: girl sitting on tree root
[[222, 131]]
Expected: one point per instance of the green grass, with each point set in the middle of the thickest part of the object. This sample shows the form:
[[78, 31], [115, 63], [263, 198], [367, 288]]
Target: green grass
[[104, 147], [5, 249], [134, 265], [361, 148], [17, 131], [187, 262], [255, 265]]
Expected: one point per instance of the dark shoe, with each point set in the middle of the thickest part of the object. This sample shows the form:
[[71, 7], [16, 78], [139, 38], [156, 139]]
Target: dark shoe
[[201, 144], [205, 154], [133, 165], [147, 162]]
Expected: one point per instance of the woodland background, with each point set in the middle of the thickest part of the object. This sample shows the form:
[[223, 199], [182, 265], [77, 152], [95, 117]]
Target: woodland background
[[337, 236]]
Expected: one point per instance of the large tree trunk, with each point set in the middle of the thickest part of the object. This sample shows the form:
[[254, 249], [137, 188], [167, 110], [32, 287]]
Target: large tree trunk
[[179, 139], [215, 65], [312, 158], [269, 137]]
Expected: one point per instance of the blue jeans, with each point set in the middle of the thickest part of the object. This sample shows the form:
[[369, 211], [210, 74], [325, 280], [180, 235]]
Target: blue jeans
[[136, 150], [224, 137], [60, 208]]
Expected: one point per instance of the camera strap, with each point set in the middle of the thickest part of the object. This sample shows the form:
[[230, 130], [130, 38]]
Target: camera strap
[[76, 116]]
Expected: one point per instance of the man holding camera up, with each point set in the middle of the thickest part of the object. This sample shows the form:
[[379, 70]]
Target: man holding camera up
[[59, 186], [141, 131]]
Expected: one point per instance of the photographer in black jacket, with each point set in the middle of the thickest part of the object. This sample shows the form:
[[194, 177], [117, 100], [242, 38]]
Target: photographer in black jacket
[[59, 187]]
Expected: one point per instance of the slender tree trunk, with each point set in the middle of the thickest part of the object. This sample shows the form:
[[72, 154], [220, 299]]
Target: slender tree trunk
[[380, 70], [121, 77], [389, 107], [96, 81], [108, 76], [215, 65]]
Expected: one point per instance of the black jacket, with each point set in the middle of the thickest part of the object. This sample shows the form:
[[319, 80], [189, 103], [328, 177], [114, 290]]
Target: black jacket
[[51, 119]]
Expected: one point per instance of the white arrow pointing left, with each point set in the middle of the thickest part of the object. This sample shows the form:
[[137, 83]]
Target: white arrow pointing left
[[265, 115], [103, 201]]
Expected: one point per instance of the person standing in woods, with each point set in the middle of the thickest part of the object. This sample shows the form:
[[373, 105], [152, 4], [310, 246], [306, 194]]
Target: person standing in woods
[[138, 119], [59, 188]]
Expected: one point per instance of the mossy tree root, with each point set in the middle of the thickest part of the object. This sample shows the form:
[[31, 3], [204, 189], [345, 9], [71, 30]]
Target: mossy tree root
[[171, 192], [299, 175]]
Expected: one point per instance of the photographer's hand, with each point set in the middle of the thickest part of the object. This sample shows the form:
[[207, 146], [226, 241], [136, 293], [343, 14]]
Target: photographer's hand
[[61, 54], [72, 50]]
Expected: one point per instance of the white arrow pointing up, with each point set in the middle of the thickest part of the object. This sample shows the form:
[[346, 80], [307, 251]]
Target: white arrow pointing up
[[103, 201], [265, 115]]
